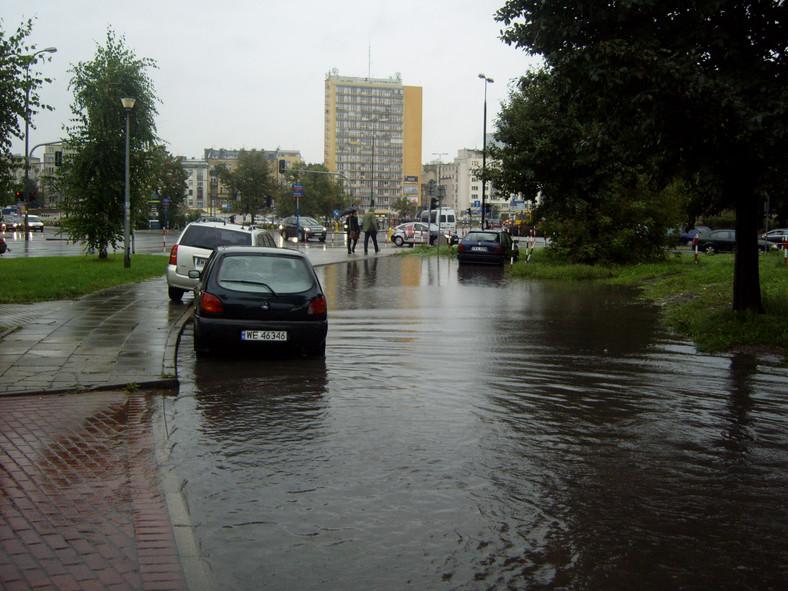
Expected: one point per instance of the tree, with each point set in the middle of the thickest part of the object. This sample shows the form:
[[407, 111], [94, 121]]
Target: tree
[[596, 203], [405, 207], [94, 176], [170, 184], [16, 61], [697, 87], [251, 181], [323, 192]]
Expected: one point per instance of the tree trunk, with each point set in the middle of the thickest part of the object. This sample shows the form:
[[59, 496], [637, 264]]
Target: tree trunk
[[746, 275]]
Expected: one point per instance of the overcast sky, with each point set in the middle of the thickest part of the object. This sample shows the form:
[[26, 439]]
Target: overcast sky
[[250, 73]]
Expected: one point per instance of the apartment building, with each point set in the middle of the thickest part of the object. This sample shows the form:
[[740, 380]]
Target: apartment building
[[373, 138]]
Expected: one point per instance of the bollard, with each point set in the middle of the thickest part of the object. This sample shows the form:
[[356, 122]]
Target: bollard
[[785, 250], [165, 237], [695, 240]]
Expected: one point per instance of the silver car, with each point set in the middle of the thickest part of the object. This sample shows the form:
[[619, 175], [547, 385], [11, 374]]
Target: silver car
[[196, 243]]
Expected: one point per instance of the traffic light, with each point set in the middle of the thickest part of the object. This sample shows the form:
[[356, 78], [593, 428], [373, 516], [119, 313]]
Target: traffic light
[[58, 158], [19, 195], [431, 187], [282, 166], [32, 195], [469, 212], [433, 203]]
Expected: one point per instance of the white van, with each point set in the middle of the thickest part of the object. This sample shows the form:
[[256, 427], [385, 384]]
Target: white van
[[447, 220]]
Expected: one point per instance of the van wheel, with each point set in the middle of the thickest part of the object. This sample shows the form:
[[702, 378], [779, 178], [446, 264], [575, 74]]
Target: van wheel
[[175, 293]]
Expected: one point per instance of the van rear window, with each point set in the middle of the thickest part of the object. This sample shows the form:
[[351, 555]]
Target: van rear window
[[210, 238]]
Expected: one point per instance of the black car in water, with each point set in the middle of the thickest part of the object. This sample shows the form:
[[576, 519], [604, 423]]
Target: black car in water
[[259, 298], [492, 247]]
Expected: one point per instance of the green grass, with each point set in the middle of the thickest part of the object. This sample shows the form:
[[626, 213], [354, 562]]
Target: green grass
[[39, 279]]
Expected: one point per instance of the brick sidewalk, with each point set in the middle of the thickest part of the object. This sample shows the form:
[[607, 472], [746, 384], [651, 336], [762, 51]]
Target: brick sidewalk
[[82, 506]]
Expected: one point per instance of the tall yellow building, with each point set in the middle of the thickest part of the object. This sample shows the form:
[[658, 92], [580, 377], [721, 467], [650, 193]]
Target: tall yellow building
[[373, 138]]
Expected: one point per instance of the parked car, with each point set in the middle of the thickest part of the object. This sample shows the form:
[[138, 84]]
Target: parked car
[[195, 245], [307, 228], [255, 298], [725, 241], [414, 233], [687, 238], [487, 247], [776, 236]]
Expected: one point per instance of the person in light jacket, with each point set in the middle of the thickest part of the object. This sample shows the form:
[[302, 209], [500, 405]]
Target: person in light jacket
[[370, 227]]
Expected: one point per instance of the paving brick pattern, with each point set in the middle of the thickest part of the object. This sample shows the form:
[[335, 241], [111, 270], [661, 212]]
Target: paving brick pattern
[[81, 505]]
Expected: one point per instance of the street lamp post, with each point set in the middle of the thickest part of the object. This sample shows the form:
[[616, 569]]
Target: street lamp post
[[30, 60], [128, 104], [484, 144]]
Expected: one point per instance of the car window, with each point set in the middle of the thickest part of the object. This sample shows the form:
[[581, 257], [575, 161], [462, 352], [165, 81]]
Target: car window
[[482, 236], [258, 273], [210, 237], [310, 221], [265, 239]]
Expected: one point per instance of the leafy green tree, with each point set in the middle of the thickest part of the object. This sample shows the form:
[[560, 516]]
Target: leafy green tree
[[94, 176], [251, 181], [405, 208], [170, 185], [697, 87], [596, 204], [17, 59], [323, 192]]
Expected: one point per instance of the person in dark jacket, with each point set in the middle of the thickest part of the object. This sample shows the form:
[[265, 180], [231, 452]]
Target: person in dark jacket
[[353, 232]]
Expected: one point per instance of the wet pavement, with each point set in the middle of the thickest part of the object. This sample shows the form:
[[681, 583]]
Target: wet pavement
[[85, 505]]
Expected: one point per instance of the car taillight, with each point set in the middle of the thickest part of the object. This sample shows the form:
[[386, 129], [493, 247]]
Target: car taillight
[[460, 248], [174, 255], [210, 303], [318, 306], [498, 250]]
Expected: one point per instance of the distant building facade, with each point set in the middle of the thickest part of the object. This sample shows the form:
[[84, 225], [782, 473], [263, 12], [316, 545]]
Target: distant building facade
[[372, 138]]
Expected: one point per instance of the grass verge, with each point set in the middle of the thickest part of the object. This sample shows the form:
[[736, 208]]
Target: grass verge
[[40, 279]]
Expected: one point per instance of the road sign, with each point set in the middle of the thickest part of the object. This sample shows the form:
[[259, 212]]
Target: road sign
[[165, 202], [297, 190]]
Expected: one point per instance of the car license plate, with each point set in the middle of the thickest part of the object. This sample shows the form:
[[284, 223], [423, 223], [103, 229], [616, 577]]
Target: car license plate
[[199, 262], [264, 335], [479, 248]]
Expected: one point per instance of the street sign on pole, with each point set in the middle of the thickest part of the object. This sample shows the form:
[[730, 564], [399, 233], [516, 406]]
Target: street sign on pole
[[297, 190]]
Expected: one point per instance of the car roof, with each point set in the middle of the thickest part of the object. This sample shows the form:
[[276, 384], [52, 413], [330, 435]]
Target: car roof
[[261, 250]]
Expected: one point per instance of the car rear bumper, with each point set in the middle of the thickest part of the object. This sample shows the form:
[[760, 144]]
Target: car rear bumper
[[223, 331], [480, 258], [175, 279]]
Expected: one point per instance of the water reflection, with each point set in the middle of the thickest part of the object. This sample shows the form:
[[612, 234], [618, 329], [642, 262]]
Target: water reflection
[[469, 431]]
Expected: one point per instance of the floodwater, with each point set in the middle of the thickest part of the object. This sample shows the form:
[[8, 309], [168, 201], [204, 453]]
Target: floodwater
[[467, 431]]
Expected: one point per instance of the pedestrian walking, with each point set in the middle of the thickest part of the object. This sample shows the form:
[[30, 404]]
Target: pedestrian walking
[[370, 228], [353, 232]]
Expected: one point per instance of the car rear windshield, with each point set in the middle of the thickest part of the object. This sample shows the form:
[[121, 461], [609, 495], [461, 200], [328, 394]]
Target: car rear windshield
[[210, 237], [482, 236], [264, 273]]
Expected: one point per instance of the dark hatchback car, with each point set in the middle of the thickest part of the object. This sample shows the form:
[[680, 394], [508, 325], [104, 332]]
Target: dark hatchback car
[[305, 228], [725, 241], [491, 247], [259, 298]]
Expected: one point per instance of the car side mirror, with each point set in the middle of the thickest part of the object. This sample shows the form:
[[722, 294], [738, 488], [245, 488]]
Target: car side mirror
[[194, 274]]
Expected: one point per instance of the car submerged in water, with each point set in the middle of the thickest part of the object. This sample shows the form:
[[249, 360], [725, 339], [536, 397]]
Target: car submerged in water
[[259, 299]]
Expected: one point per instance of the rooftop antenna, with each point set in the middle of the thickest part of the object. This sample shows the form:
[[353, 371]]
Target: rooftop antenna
[[369, 61]]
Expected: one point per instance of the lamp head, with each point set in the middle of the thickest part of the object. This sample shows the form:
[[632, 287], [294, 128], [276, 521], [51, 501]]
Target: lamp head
[[128, 103]]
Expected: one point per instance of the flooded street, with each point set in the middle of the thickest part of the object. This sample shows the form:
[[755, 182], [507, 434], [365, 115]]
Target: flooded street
[[466, 431]]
